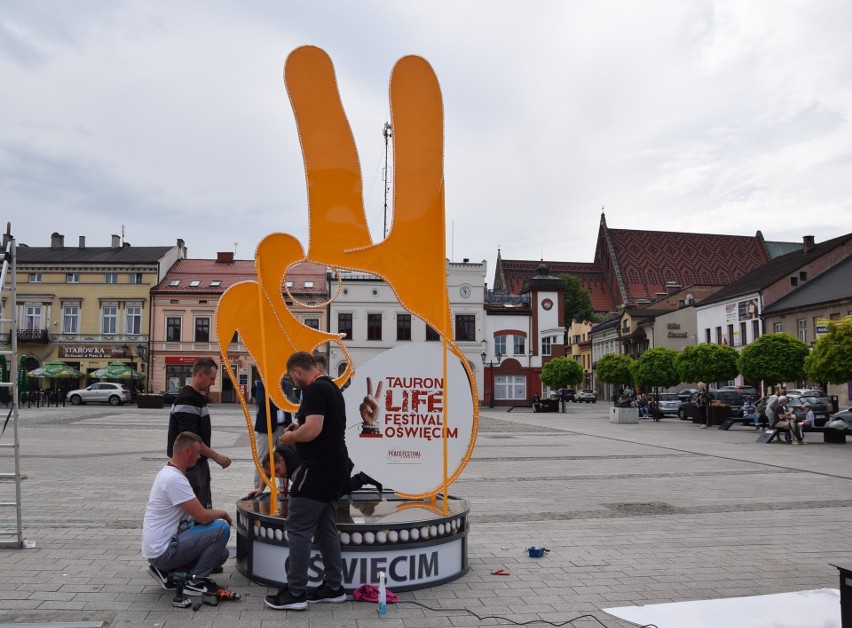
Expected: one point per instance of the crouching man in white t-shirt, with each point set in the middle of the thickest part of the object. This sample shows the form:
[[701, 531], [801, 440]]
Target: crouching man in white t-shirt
[[179, 534]]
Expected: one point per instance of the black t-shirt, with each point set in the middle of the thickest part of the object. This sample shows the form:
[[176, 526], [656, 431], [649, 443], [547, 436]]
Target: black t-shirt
[[325, 460]]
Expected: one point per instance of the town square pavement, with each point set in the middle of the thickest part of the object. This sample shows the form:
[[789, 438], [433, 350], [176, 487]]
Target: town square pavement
[[632, 514]]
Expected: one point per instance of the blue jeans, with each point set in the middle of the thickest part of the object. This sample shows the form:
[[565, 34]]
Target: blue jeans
[[752, 416], [197, 551]]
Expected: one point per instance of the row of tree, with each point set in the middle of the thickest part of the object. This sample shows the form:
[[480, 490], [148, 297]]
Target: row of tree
[[771, 359]]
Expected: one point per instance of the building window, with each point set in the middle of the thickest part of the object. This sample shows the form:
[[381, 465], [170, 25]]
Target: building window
[[730, 334], [109, 319], [215, 283], [403, 326], [202, 329], [313, 323], [718, 335], [173, 329], [802, 329], [743, 332], [174, 283], [32, 317], [755, 330], [431, 334], [194, 283], [72, 277], [134, 320], [794, 281], [70, 319], [500, 345], [135, 278], [778, 327], [545, 345], [520, 345], [374, 326], [110, 277], [235, 339], [309, 284], [512, 387], [35, 278], [707, 335], [465, 327], [344, 325], [803, 275]]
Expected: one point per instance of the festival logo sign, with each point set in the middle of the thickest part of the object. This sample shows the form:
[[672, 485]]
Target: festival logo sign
[[401, 442]]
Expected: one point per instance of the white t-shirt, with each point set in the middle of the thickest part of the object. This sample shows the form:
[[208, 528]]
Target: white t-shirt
[[163, 513]]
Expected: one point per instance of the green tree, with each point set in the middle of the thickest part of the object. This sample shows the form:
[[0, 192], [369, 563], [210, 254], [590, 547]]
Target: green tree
[[831, 359], [614, 368], [578, 301], [773, 358], [656, 367], [707, 362], [560, 372]]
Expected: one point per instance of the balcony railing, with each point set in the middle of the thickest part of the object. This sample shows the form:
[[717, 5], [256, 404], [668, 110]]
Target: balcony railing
[[33, 336]]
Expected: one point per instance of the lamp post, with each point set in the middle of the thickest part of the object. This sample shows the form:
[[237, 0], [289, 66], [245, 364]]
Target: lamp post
[[491, 364]]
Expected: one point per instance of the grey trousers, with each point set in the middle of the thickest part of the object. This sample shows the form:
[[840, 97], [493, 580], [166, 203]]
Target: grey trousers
[[197, 551], [308, 518], [263, 449], [199, 479]]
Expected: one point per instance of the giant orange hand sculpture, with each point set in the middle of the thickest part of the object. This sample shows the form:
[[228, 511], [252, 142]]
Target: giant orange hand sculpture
[[412, 259]]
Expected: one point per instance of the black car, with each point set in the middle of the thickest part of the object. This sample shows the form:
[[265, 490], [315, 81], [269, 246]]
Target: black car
[[568, 394], [689, 408], [686, 393]]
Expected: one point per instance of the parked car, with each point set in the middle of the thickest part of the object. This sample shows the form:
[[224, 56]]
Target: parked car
[[812, 394], [568, 394], [731, 397], [104, 392], [669, 403], [588, 396], [820, 408], [686, 393], [745, 391]]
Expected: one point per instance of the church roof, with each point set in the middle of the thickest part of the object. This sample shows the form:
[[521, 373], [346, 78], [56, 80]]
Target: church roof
[[632, 264]]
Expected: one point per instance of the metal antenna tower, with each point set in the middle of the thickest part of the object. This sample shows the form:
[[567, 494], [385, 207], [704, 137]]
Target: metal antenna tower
[[387, 132]]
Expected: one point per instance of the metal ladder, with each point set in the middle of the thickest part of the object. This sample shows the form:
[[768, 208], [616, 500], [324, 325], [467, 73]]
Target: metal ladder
[[13, 537]]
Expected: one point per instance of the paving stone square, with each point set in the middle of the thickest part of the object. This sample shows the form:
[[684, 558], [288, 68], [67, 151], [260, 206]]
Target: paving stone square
[[632, 514]]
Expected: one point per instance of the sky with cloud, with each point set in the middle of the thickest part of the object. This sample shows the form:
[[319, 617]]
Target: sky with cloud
[[171, 120]]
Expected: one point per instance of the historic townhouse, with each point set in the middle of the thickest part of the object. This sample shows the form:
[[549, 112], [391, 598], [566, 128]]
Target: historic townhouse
[[88, 306]]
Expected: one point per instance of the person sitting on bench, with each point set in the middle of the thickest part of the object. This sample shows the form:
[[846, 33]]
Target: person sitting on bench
[[750, 412]]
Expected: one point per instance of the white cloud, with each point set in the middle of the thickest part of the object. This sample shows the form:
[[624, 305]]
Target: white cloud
[[172, 118]]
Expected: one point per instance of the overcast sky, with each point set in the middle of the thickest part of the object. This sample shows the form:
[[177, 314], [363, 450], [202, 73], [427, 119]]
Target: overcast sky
[[171, 118]]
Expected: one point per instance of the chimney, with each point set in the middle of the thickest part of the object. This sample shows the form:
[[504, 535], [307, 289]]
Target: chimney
[[116, 241], [808, 242], [82, 242], [181, 248], [224, 257], [57, 241]]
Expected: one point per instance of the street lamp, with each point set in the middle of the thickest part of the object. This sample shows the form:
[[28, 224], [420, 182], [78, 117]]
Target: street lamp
[[491, 364], [142, 351]]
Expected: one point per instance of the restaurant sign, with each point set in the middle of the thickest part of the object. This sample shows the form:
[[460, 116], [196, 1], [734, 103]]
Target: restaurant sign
[[91, 351]]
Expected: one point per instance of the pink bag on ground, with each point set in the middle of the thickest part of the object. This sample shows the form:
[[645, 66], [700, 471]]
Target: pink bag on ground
[[370, 593]]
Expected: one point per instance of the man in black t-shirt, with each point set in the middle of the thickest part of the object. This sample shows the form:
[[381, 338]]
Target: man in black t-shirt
[[190, 414], [312, 504]]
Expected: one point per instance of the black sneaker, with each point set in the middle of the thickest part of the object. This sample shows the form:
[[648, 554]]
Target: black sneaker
[[163, 578], [199, 586], [324, 593], [286, 601]]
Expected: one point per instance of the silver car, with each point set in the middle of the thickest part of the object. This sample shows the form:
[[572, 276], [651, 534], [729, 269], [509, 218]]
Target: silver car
[[104, 392], [669, 403]]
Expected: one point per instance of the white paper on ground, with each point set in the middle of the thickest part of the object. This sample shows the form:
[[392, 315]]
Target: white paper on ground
[[819, 608]]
